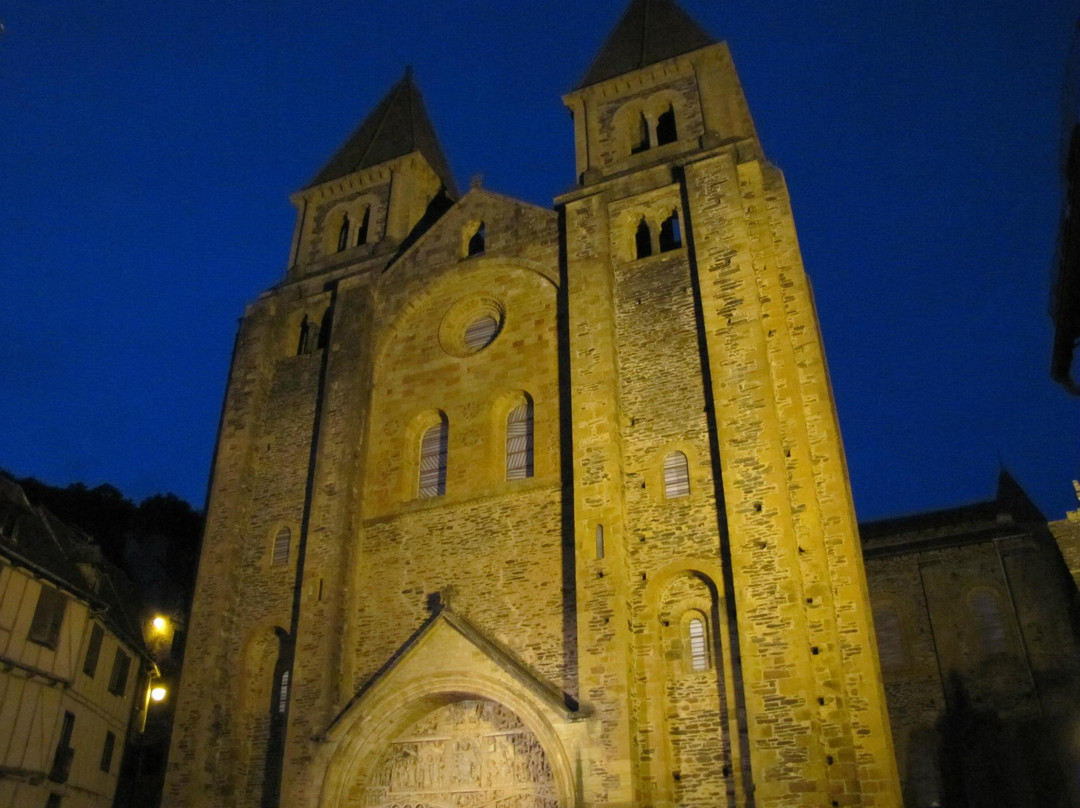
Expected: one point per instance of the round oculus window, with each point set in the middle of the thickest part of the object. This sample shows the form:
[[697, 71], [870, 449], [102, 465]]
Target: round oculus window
[[471, 325]]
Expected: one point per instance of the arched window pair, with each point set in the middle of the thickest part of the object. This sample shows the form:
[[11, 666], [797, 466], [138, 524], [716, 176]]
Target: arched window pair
[[670, 236], [519, 450], [666, 132], [361, 230]]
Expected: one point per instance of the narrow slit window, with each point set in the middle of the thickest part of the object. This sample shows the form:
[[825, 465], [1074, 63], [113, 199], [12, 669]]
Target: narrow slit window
[[477, 244], [643, 239], [519, 442], [670, 233], [699, 655], [281, 547], [343, 233], [433, 460], [283, 693], [641, 141], [676, 476], [665, 128], [599, 542], [362, 230]]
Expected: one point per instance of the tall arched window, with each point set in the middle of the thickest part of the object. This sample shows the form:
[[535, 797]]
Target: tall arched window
[[665, 128], [643, 239], [676, 476], [670, 233], [519, 441], [362, 231], [343, 233], [989, 621], [699, 650], [433, 460]]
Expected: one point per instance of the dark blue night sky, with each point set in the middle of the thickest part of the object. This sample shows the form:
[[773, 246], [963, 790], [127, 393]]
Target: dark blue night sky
[[147, 151]]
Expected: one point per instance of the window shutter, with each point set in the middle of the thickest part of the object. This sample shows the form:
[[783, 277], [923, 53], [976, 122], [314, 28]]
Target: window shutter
[[93, 650], [118, 680], [676, 476], [433, 461], [519, 442], [48, 617]]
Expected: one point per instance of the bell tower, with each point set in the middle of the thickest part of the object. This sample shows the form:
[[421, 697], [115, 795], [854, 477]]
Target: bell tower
[[724, 626]]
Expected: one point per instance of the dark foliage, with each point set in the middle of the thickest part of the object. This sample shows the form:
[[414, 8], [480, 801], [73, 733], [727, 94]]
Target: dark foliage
[[156, 542]]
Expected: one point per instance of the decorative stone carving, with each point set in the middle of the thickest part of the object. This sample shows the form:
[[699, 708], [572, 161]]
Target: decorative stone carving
[[468, 754]]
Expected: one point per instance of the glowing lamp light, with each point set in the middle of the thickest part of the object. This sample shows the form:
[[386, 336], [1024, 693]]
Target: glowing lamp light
[[158, 693], [159, 623]]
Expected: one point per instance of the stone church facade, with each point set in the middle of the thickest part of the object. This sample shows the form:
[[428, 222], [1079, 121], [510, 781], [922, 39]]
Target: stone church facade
[[527, 507]]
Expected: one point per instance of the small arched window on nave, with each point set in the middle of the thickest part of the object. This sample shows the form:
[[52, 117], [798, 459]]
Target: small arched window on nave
[[519, 441], [698, 644], [676, 476], [433, 445]]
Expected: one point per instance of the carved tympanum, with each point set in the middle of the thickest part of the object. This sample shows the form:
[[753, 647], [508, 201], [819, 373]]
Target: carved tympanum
[[467, 754]]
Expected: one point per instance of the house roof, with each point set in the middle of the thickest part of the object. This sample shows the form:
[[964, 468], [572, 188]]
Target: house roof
[[649, 32], [398, 125]]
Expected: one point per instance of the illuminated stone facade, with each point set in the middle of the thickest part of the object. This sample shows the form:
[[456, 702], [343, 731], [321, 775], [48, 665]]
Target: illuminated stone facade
[[527, 507]]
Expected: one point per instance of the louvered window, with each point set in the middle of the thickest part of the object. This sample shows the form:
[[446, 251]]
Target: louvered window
[[433, 461], [890, 638], [48, 617], [676, 476], [519, 442], [481, 333], [699, 655], [93, 650], [281, 547]]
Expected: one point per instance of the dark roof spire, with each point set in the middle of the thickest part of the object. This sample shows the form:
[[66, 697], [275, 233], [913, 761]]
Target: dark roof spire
[[649, 32], [399, 124]]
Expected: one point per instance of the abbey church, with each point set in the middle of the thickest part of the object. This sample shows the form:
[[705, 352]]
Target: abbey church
[[533, 507]]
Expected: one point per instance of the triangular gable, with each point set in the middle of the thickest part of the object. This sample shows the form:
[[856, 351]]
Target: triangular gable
[[649, 32], [448, 643], [452, 218]]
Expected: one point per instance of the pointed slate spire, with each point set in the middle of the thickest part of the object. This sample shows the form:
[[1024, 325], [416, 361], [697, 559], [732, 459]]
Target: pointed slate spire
[[399, 124], [649, 32]]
